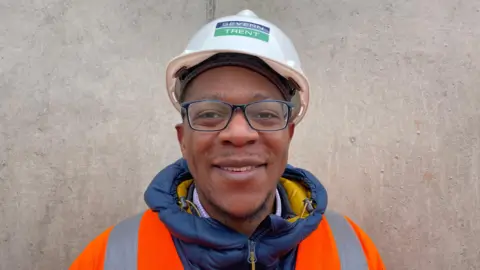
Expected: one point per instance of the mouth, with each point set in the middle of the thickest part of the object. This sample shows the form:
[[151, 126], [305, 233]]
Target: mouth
[[240, 170]]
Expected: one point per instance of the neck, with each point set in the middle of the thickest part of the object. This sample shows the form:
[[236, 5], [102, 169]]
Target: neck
[[245, 225]]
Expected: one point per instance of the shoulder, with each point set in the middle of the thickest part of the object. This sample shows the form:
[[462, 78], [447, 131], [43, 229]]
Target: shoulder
[[337, 241], [93, 255], [121, 235], [371, 252]]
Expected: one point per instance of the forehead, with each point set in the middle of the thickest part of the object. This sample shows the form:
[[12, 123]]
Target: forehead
[[232, 84]]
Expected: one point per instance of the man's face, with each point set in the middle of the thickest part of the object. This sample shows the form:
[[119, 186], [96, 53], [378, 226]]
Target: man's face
[[211, 156]]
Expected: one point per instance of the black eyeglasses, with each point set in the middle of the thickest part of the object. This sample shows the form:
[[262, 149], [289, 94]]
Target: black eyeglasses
[[215, 115]]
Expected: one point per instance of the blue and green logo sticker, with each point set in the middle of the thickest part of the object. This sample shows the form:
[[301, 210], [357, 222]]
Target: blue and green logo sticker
[[244, 29]]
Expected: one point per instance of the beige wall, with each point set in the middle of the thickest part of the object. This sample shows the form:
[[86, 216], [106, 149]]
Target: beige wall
[[393, 130]]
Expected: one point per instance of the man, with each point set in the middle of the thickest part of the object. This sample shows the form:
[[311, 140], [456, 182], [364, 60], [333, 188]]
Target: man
[[232, 201]]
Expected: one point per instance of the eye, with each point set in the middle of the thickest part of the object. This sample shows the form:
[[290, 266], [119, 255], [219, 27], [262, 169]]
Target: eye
[[210, 114], [266, 115]]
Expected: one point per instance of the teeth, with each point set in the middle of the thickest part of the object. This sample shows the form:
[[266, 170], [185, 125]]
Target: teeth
[[238, 169]]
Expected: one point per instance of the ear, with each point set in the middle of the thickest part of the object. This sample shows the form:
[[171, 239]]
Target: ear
[[291, 130], [180, 137]]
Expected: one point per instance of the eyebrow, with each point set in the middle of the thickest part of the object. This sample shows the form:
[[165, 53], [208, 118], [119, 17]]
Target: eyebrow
[[209, 96], [261, 96]]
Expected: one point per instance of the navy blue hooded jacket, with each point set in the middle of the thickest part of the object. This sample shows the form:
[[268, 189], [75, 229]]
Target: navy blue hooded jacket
[[204, 243]]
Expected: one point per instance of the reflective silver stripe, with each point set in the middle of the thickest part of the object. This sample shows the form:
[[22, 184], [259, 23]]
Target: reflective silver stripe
[[349, 247], [122, 246]]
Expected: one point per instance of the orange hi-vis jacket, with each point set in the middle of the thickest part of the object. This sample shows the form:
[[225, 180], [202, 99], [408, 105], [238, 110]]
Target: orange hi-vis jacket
[[171, 235], [148, 246]]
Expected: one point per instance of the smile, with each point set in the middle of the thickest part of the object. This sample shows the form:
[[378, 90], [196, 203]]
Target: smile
[[240, 173], [240, 169]]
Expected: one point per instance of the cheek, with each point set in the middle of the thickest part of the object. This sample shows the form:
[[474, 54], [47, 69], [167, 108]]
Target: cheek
[[197, 149], [278, 144]]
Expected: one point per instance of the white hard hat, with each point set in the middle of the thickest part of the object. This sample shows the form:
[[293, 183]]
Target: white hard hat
[[246, 34]]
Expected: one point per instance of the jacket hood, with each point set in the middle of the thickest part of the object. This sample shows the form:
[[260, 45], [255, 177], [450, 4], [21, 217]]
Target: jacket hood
[[207, 244]]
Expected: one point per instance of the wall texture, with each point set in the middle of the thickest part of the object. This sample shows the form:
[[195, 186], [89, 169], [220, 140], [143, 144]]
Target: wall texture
[[393, 130]]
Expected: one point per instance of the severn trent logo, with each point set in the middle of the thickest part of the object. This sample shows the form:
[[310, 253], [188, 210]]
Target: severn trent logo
[[245, 29]]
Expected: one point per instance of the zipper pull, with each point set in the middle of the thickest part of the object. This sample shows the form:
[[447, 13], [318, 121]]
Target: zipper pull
[[252, 258]]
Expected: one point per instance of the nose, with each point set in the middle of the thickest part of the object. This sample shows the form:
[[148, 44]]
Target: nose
[[238, 132]]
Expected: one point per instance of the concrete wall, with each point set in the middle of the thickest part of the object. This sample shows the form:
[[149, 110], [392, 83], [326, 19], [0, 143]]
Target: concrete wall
[[393, 130]]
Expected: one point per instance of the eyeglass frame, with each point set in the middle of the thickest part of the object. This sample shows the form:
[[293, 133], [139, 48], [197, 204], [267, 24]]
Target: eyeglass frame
[[234, 107]]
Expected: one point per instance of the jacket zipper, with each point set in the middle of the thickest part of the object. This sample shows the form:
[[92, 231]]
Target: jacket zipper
[[252, 257]]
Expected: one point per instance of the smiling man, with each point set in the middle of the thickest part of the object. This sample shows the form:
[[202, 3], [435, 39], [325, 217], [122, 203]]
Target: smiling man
[[232, 201]]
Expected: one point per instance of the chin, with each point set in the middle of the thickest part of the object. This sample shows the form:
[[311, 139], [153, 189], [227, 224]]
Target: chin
[[248, 210]]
